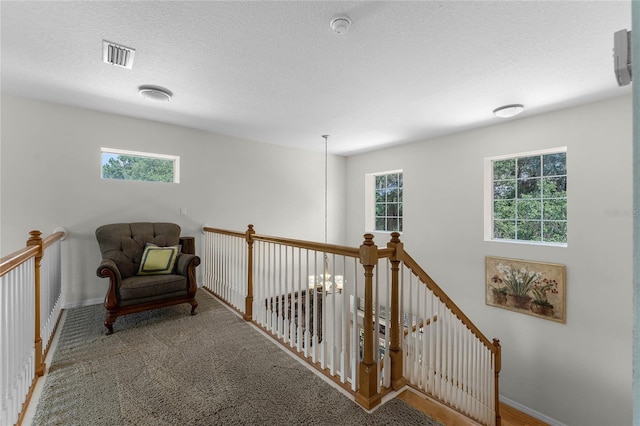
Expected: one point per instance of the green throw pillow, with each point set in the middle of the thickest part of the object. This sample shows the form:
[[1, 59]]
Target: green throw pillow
[[158, 260]]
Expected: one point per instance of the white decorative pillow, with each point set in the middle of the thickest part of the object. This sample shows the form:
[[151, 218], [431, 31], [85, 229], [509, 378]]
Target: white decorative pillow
[[158, 260]]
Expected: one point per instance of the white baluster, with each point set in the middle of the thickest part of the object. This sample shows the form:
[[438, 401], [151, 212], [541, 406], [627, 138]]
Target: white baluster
[[299, 318], [355, 333], [344, 342]]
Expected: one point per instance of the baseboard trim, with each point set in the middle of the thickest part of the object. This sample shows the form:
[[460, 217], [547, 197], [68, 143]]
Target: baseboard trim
[[89, 302], [82, 303], [531, 412]]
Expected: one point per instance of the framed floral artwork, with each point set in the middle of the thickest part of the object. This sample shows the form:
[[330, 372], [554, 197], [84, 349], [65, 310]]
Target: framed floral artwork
[[528, 287]]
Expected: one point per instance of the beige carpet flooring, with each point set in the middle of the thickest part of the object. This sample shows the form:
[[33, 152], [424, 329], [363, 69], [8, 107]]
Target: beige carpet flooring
[[166, 367]]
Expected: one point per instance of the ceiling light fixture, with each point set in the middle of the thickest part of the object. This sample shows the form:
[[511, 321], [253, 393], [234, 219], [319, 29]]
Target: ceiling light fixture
[[340, 24], [155, 93], [507, 111], [326, 281]]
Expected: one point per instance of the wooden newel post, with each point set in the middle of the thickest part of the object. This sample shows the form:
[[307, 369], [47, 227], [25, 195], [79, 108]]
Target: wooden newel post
[[498, 367], [395, 351], [368, 395], [36, 240], [248, 301]]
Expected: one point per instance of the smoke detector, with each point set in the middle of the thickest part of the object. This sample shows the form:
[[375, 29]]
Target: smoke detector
[[118, 55], [340, 24]]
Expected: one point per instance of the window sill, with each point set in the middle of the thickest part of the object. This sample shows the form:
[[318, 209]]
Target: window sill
[[529, 243]]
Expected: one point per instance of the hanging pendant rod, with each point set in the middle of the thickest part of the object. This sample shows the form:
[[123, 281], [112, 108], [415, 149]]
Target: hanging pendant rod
[[326, 137], [326, 258]]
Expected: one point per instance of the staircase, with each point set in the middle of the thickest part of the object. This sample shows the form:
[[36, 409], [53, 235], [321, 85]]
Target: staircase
[[369, 318]]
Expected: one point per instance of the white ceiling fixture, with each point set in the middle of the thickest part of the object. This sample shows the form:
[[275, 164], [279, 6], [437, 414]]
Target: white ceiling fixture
[[508, 111], [155, 93], [117, 54], [393, 78], [340, 24]]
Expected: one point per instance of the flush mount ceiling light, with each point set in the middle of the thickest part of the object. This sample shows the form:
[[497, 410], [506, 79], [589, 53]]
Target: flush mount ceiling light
[[340, 24], [508, 110], [155, 93]]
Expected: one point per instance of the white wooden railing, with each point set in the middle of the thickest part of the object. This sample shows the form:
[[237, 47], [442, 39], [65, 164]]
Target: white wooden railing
[[446, 356], [226, 272], [30, 289], [308, 299], [51, 286], [370, 318]]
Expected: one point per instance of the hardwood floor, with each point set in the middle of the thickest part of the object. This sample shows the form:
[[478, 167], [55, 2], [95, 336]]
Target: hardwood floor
[[445, 415], [512, 417]]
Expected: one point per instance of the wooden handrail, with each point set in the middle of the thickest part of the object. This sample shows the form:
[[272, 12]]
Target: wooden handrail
[[17, 258], [311, 245], [224, 231], [53, 238], [431, 284], [385, 252], [420, 325]]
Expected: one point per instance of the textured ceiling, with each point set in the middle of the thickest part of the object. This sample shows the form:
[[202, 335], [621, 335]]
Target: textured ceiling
[[275, 71]]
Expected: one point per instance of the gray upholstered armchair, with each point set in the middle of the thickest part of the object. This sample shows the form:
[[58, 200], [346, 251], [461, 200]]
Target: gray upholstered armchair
[[145, 267]]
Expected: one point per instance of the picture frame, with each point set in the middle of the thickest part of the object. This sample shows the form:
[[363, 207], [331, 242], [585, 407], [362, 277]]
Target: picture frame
[[527, 287]]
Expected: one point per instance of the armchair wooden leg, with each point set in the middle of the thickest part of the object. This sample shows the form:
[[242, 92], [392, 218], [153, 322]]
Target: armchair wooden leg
[[108, 322], [194, 305]]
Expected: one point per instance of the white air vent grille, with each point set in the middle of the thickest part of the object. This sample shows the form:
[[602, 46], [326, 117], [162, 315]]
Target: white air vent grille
[[116, 54]]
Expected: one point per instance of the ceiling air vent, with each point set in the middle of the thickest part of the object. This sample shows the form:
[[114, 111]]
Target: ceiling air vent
[[116, 54]]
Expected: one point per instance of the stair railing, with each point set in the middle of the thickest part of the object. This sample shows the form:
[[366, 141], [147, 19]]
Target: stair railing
[[369, 318], [30, 290], [448, 358]]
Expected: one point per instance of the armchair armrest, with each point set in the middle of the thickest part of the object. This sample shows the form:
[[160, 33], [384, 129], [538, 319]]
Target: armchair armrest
[[108, 268], [186, 266], [184, 263]]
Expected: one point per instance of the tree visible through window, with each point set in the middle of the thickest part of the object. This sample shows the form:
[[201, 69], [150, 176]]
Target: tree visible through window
[[129, 165], [529, 200], [388, 202]]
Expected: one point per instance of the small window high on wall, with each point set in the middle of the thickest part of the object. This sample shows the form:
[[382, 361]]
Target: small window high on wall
[[141, 166], [526, 197], [383, 201]]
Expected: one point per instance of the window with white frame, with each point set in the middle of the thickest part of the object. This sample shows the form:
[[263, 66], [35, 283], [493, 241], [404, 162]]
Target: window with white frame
[[526, 197], [141, 166], [383, 201]]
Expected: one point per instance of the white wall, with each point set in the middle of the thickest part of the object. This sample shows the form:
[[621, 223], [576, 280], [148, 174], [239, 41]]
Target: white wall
[[578, 373], [50, 174]]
